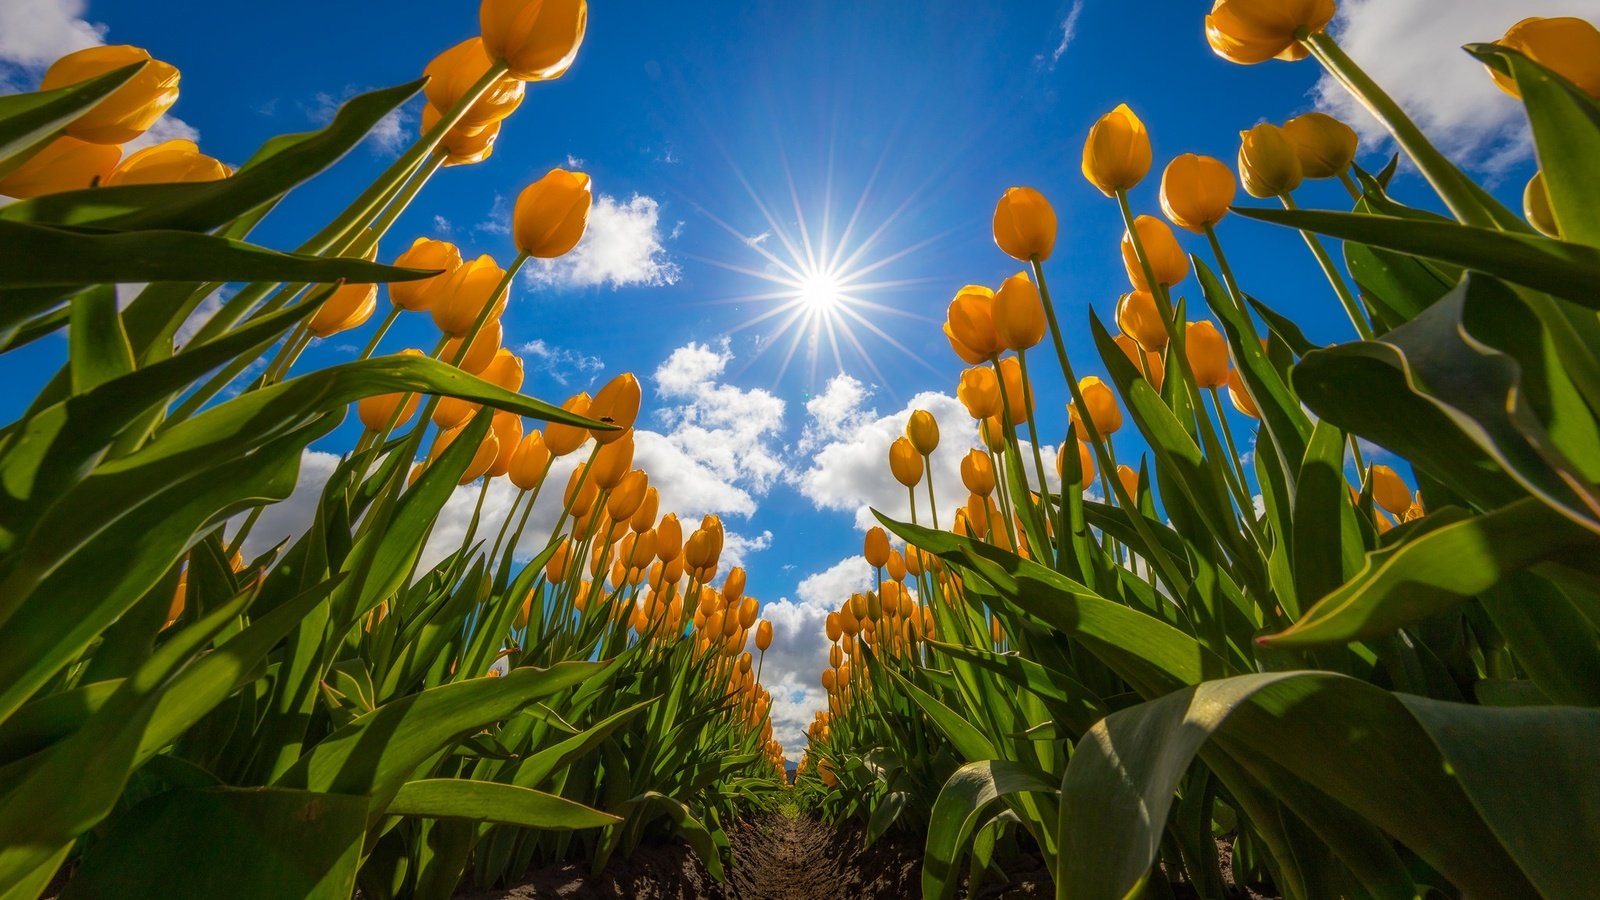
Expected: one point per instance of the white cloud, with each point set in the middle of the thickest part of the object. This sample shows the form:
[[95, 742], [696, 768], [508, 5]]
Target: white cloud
[[848, 446], [1412, 48], [622, 247], [560, 363], [387, 137], [35, 33], [1069, 31], [290, 518]]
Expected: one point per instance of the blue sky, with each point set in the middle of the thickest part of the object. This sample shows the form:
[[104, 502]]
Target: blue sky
[[711, 135]]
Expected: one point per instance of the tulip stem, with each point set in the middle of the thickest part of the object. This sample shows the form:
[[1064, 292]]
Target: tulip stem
[[1229, 281], [389, 319], [933, 506], [912, 491], [1350, 185], [1352, 306], [1043, 506], [237, 544]]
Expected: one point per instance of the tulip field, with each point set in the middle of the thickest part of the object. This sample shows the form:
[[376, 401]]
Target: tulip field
[[1192, 671]]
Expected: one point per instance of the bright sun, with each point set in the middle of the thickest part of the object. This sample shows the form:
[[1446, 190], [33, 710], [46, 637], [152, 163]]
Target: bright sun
[[820, 292]]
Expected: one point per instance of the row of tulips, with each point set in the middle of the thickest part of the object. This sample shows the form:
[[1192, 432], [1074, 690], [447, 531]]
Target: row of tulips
[[1363, 683], [181, 716]]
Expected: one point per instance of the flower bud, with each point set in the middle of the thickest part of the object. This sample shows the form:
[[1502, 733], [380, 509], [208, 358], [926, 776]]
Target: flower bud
[[507, 428], [876, 547], [480, 353], [669, 538], [488, 449], [529, 462], [1085, 473], [1324, 145], [1116, 155], [1268, 164], [472, 287], [350, 306], [905, 463], [979, 392], [617, 403], [1253, 31], [65, 164], [424, 253], [1148, 363], [977, 473], [1018, 393], [1102, 403], [126, 112], [1168, 263], [832, 627], [581, 492], [563, 439], [969, 324], [1139, 319], [645, 516], [169, 162], [536, 39], [612, 462], [922, 429], [1207, 351], [1019, 320], [555, 569], [628, 495], [551, 214], [764, 635], [464, 144], [454, 72], [375, 412], [1566, 45], [1024, 224], [1130, 482], [1389, 491], [1196, 191]]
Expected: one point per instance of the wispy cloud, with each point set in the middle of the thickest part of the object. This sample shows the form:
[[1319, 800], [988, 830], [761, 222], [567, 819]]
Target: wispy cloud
[[563, 365], [1069, 31], [386, 138]]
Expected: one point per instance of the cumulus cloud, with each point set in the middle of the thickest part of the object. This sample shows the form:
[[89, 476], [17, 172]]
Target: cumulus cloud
[[35, 33], [622, 247], [1413, 49], [847, 442]]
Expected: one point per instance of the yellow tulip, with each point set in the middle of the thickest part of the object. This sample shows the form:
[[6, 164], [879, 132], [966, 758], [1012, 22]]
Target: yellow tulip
[[992, 432], [65, 164], [131, 109], [979, 392], [1167, 260], [551, 214], [555, 569], [1566, 45], [1536, 206], [375, 412], [977, 473], [1268, 163], [612, 462], [1389, 491], [1116, 155], [1139, 319], [487, 450], [876, 547], [536, 39], [1196, 191], [1103, 409], [617, 403], [480, 353], [1085, 474], [1151, 367], [1018, 313], [581, 494], [1024, 224], [453, 73], [350, 307], [923, 431], [645, 516], [1018, 394], [166, 163], [563, 439], [905, 463], [471, 287], [764, 636], [1207, 351], [1326, 146], [969, 324], [507, 430], [529, 461], [669, 538], [424, 253], [504, 371], [463, 144], [1130, 481], [1242, 401], [628, 496], [1253, 31]]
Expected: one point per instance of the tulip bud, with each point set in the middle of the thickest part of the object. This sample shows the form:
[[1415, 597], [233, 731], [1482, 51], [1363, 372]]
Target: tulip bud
[[536, 39], [645, 516], [169, 162], [1018, 393], [563, 439], [1018, 313], [627, 496], [1139, 319], [480, 353], [748, 607], [488, 449], [1024, 224], [979, 392], [126, 112], [529, 462], [1130, 482], [969, 324], [616, 404], [733, 585], [992, 432], [65, 164], [424, 253], [1566, 45], [905, 463], [876, 547], [764, 635], [896, 565], [669, 537], [507, 428], [350, 306], [1102, 403], [555, 569], [832, 627], [1268, 165], [451, 412], [978, 515], [1389, 491], [977, 472], [1242, 401], [612, 462], [830, 681], [1324, 145], [1253, 31], [1536, 206], [473, 286], [1207, 351], [1168, 263], [455, 71], [1085, 472], [551, 214], [1116, 155], [464, 144], [1196, 191], [922, 429], [375, 412]]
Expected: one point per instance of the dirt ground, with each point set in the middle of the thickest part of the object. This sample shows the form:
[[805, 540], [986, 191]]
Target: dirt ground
[[774, 858]]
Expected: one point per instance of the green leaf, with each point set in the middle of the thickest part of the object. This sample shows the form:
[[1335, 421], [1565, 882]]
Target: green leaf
[[961, 808], [206, 205], [245, 843], [1559, 268], [99, 349], [488, 801], [29, 121], [968, 741]]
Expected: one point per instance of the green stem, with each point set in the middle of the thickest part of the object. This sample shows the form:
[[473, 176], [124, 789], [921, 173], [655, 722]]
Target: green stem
[[383, 329], [933, 506], [1352, 306], [1350, 185]]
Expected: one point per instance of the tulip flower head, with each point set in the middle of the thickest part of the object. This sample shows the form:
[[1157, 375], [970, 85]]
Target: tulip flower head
[[507, 430], [1130, 481], [131, 109], [376, 411], [168, 162], [350, 306], [454, 72], [551, 214], [1019, 318], [617, 403], [969, 324], [480, 353], [905, 463], [923, 431], [536, 39], [1242, 401], [562, 438], [1253, 31], [1116, 155], [979, 392], [1149, 363], [1268, 163], [1024, 224], [1196, 191], [977, 473], [65, 164], [1324, 145], [488, 450], [424, 253], [473, 286], [1207, 351], [1139, 319], [464, 144], [1566, 45], [764, 635], [1389, 491], [876, 547], [1018, 393], [1168, 263], [529, 462], [1102, 403]]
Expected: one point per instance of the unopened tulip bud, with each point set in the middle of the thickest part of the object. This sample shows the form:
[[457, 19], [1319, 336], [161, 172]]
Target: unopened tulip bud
[[488, 449], [1019, 319], [1207, 351], [1325, 146], [1196, 191], [1103, 409], [455, 71], [1018, 393], [1139, 319], [876, 547], [979, 392], [480, 353], [644, 518], [126, 112], [669, 537], [1168, 263], [764, 635], [169, 162], [617, 403], [472, 287], [1025, 224], [529, 462], [424, 253], [922, 429], [563, 439], [977, 473], [536, 39], [464, 144], [375, 412], [1116, 155], [1130, 482], [992, 431], [612, 462], [1566, 45], [1268, 164], [65, 164], [969, 324], [1389, 491], [350, 306], [1253, 31], [905, 463], [507, 429], [551, 214]]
